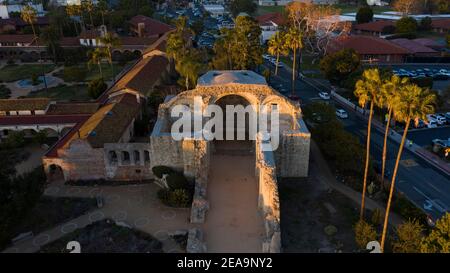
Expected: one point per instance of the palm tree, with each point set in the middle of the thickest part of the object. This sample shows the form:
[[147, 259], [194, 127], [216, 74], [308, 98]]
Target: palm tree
[[95, 57], [294, 42], [88, 6], [277, 47], [110, 41], [72, 11], [29, 15], [387, 99], [412, 103], [367, 90]]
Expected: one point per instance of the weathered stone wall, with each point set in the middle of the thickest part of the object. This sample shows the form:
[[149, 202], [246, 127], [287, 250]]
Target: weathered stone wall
[[135, 167], [268, 199], [292, 155], [197, 164], [79, 161]]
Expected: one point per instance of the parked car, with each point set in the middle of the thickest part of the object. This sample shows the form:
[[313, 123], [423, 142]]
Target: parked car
[[432, 124], [324, 95], [440, 120], [341, 113]]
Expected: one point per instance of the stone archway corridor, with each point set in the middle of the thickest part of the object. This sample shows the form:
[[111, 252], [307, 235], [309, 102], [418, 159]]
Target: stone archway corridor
[[233, 221]]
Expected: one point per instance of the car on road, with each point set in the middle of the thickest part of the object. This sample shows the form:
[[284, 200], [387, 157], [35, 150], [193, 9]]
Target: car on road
[[324, 95], [341, 113], [440, 120]]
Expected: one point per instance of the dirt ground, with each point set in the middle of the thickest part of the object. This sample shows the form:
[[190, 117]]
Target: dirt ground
[[307, 208]]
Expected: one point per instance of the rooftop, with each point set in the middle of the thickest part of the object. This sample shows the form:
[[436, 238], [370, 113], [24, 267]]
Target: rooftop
[[275, 17], [215, 77], [151, 26], [375, 26], [24, 104], [364, 44], [413, 46]]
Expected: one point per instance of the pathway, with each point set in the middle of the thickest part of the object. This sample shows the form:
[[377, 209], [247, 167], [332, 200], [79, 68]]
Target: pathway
[[233, 222], [136, 205]]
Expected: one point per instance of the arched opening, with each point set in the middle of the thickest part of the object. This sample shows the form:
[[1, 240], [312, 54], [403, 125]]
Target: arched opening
[[112, 157], [55, 173], [125, 157], [241, 119], [146, 157], [137, 157]]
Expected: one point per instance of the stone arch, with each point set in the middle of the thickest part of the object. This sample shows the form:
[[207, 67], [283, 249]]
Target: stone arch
[[112, 157], [117, 55], [137, 157], [55, 172], [125, 157], [137, 54], [50, 132], [236, 99], [146, 156]]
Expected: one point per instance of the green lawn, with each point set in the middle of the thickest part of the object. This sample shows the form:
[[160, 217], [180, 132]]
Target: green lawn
[[346, 8], [63, 92], [14, 72], [268, 9], [92, 72]]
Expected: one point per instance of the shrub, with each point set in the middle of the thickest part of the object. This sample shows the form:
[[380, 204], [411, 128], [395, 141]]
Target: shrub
[[339, 65], [96, 88], [364, 233], [177, 181], [377, 216], [179, 198], [409, 237], [406, 25], [158, 171], [438, 241]]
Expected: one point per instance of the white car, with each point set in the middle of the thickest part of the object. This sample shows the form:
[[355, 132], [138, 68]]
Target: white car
[[440, 120], [324, 95], [341, 113], [432, 124]]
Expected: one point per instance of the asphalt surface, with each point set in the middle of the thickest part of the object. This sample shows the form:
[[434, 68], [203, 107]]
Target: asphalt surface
[[417, 179]]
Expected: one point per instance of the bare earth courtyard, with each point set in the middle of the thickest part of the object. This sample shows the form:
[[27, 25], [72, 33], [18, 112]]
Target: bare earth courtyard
[[233, 223]]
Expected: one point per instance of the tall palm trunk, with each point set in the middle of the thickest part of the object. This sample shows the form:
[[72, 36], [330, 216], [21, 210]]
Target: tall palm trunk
[[293, 72], [391, 191], [383, 159], [278, 61], [366, 169], [100, 69], [187, 83], [34, 31]]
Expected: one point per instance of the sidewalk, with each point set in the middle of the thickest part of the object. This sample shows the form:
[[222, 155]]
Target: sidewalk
[[327, 175]]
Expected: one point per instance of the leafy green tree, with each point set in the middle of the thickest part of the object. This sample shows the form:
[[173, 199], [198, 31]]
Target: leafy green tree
[[406, 25], [339, 65], [409, 237], [189, 66], [73, 11], [277, 47], [364, 15], [438, 241], [426, 24], [88, 6], [367, 91], [96, 87], [238, 6], [412, 103], [364, 233], [40, 137], [240, 47]]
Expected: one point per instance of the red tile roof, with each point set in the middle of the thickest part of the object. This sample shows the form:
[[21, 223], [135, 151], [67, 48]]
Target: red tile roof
[[152, 27], [16, 38], [441, 23], [41, 119], [274, 17], [364, 44], [412, 46], [144, 41], [375, 26]]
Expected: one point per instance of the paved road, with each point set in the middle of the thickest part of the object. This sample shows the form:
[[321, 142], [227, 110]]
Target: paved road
[[417, 179]]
